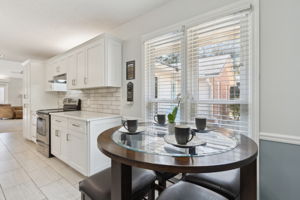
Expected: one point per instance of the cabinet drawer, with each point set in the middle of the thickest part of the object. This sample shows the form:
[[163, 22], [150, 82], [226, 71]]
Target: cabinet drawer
[[59, 121], [56, 135], [77, 125]]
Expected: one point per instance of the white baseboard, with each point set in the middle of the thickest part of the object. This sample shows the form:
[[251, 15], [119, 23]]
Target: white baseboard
[[275, 137]]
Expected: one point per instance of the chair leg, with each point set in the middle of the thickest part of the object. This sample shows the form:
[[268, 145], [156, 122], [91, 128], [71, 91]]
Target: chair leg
[[151, 194], [162, 185], [85, 196]]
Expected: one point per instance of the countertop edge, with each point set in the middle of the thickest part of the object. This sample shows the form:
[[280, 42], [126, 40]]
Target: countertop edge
[[85, 119]]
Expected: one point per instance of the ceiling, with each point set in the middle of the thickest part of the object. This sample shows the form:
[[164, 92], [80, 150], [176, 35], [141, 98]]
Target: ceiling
[[44, 28]]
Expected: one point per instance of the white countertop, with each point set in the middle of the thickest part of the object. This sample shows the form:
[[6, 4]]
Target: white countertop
[[84, 115]]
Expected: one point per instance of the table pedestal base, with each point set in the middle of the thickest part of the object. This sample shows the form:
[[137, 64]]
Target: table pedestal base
[[121, 181], [248, 182]]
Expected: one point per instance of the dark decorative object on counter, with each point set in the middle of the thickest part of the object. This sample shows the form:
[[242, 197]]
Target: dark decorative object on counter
[[130, 92], [130, 70]]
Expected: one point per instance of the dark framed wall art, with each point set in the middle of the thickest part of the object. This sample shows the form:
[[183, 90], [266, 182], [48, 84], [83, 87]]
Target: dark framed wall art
[[130, 70]]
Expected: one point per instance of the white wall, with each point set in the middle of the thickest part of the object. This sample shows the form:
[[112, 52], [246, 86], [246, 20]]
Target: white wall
[[280, 68], [15, 89], [10, 72], [132, 32], [10, 69]]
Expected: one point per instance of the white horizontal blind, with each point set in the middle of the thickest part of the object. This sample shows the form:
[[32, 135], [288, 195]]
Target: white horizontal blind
[[218, 58], [163, 62]]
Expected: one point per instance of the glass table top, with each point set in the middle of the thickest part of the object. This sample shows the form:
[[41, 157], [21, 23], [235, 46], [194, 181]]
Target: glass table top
[[152, 140]]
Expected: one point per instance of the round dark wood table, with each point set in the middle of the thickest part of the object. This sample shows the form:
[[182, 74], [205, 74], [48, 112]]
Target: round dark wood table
[[243, 156]]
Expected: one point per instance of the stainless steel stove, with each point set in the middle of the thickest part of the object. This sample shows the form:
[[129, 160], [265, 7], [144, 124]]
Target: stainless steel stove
[[44, 124]]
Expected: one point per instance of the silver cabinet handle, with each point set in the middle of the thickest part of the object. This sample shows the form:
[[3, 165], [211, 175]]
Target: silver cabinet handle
[[75, 82], [57, 120], [85, 80], [76, 125], [67, 137], [57, 133]]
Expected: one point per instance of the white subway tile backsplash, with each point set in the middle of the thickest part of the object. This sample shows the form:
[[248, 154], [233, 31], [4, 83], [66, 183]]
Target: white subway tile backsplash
[[106, 100]]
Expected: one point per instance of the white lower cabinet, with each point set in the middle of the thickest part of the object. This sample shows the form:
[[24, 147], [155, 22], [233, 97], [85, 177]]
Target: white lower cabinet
[[76, 143], [79, 155], [56, 135]]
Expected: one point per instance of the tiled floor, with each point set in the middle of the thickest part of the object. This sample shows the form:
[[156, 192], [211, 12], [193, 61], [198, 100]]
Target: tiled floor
[[27, 175]]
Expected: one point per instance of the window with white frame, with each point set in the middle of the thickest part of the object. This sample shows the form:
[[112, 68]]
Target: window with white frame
[[218, 55], [209, 65], [163, 59]]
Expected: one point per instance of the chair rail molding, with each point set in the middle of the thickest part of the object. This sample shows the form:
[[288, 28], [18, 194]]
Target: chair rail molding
[[283, 138]]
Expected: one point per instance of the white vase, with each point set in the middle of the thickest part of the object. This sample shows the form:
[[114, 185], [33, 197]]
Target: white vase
[[171, 128]]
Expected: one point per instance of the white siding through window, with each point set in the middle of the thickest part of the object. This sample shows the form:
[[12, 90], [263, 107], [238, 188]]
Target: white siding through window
[[218, 55], [163, 62]]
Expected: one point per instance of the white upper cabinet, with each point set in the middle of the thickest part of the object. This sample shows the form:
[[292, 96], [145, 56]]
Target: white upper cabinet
[[55, 67], [60, 66], [81, 69], [113, 62], [72, 71], [96, 63]]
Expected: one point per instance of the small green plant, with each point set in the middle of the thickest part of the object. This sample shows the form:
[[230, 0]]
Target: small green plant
[[173, 114]]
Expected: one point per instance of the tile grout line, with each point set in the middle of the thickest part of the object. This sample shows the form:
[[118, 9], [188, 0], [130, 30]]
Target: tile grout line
[[2, 192], [25, 172]]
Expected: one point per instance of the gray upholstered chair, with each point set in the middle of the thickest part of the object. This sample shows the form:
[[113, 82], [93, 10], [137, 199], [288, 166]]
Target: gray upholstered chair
[[98, 186], [226, 183], [189, 191]]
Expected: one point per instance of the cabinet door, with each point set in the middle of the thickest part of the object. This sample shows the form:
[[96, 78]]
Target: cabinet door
[[66, 146], [79, 151], [113, 63], [95, 54], [33, 125], [26, 121], [81, 68], [63, 65], [56, 135], [56, 67], [71, 72]]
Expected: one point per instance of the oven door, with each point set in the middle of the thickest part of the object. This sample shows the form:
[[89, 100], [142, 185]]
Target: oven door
[[42, 129]]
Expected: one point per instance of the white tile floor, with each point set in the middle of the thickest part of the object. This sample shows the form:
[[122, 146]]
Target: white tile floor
[[27, 175]]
